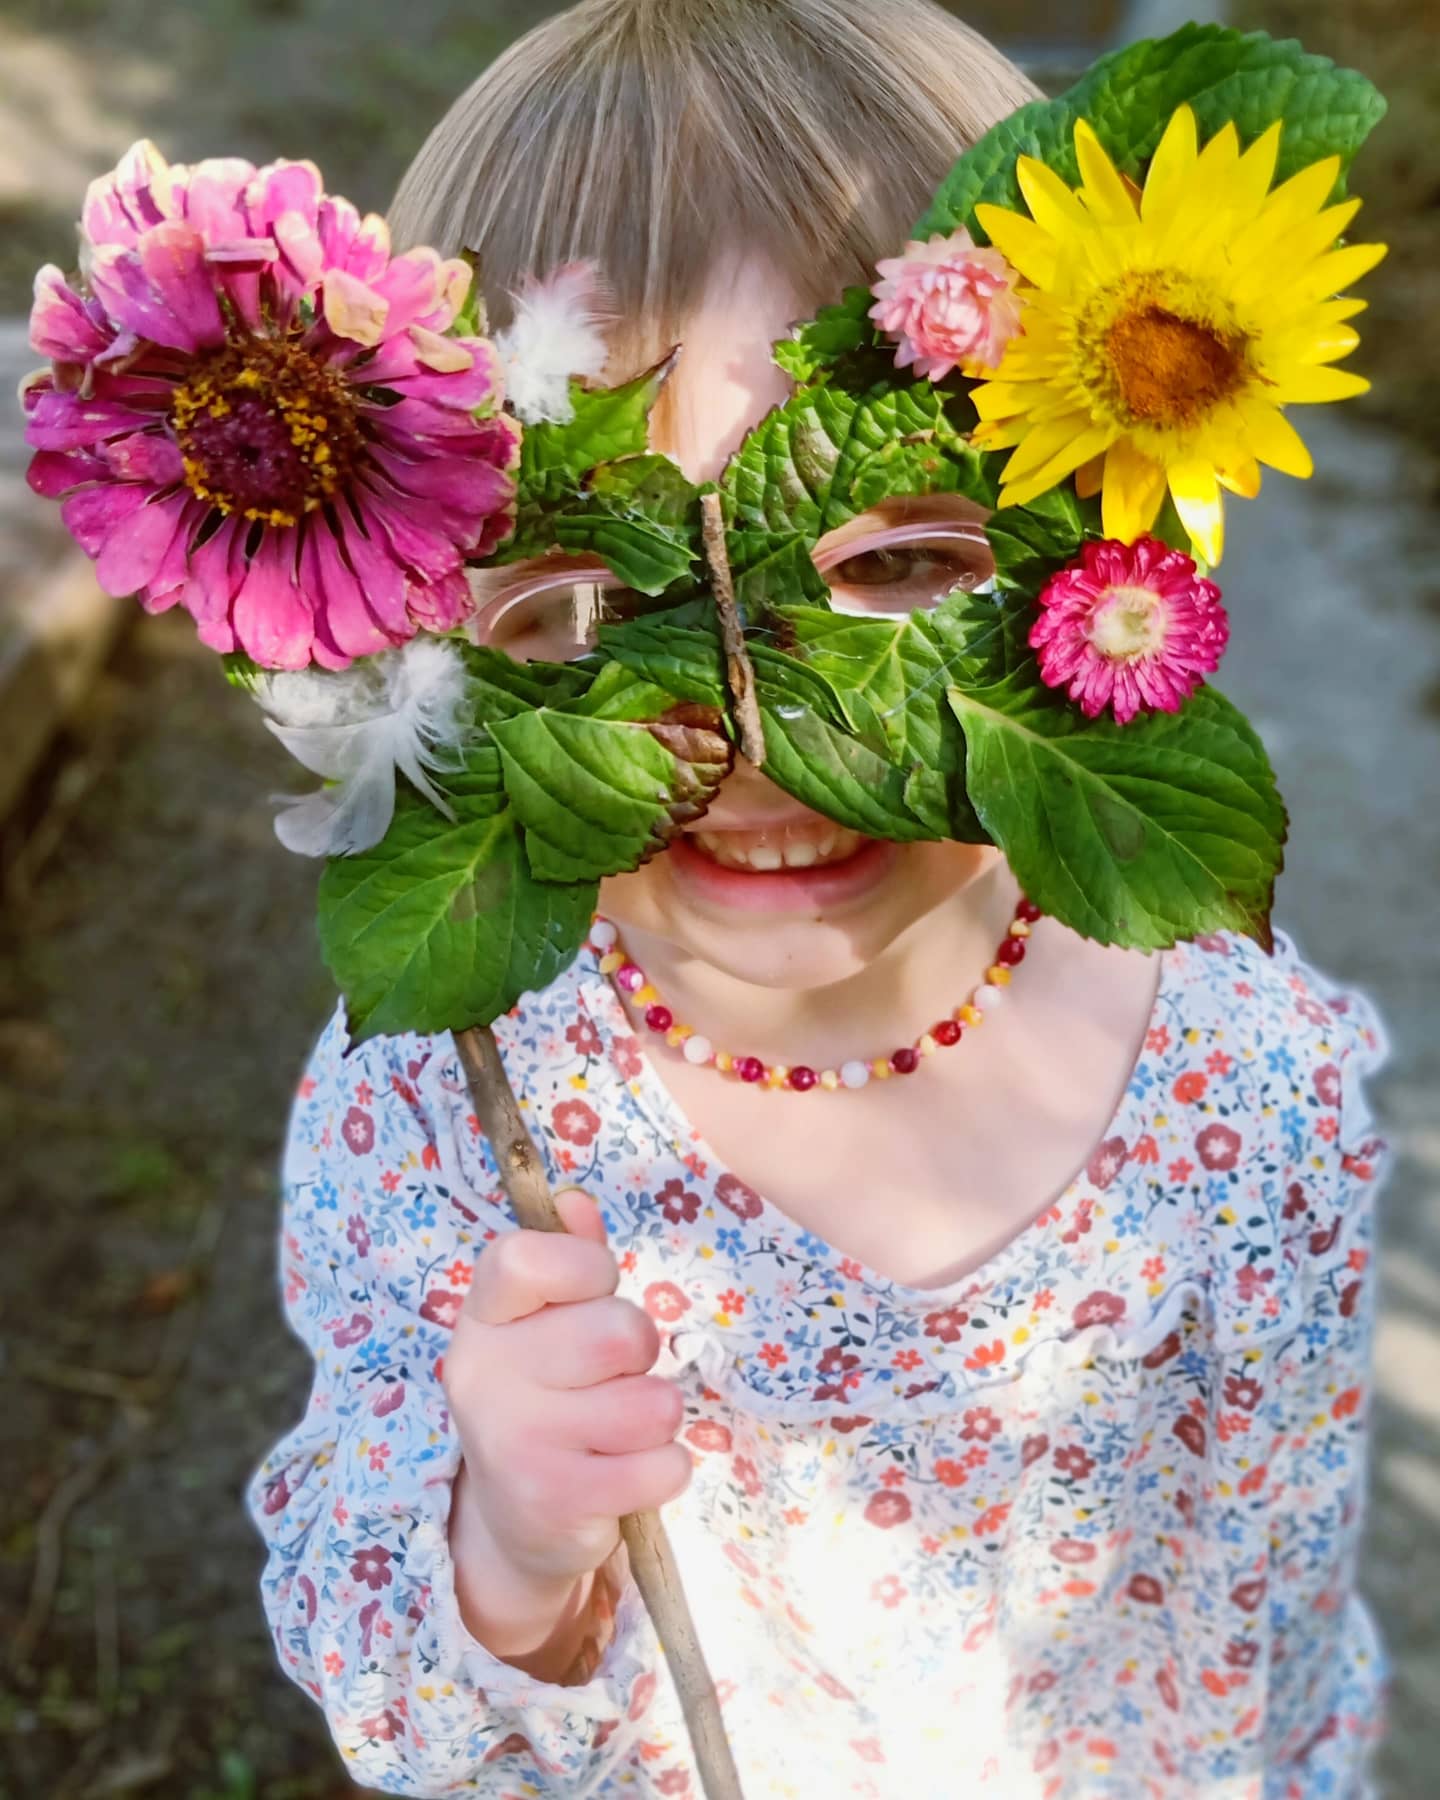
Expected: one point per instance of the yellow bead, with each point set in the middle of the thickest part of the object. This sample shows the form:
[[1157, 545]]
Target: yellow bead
[[724, 1061], [970, 1015], [999, 974], [778, 1076], [829, 1080], [927, 1045], [647, 995], [1018, 928], [611, 961], [677, 1035], [880, 1068]]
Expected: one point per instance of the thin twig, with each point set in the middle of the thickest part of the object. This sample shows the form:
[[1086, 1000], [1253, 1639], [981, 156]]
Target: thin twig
[[652, 1561], [50, 1544], [739, 668]]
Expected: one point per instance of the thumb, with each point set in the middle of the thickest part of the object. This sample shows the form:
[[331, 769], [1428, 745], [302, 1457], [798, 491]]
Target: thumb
[[581, 1214]]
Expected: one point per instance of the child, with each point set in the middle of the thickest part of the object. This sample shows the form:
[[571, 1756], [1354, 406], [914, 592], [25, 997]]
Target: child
[[1013, 1440]]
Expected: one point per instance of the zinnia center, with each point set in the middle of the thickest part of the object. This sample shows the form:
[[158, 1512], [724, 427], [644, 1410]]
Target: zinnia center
[[1127, 624], [1171, 370], [266, 431]]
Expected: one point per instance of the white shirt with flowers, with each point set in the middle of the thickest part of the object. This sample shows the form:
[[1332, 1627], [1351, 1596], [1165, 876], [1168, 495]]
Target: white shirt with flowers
[[1081, 1524]]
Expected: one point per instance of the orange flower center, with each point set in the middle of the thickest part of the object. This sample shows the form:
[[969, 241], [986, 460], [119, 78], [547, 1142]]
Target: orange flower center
[[265, 430], [1169, 370]]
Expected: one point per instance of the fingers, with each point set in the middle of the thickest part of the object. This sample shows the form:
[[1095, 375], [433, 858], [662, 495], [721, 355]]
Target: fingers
[[584, 1344], [520, 1272], [633, 1412], [609, 1486], [581, 1214]]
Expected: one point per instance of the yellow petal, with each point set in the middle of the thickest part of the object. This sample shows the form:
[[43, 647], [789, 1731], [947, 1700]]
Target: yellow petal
[[1170, 167], [1003, 399], [1256, 170], [1275, 440], [1052, 206], [1196, 494], [1335, 271], [1134, 488], [1078, 447], [1240, 473], [1313, 386], [1304, 193], [1089, 476], [1020, 241], [1104, 193]]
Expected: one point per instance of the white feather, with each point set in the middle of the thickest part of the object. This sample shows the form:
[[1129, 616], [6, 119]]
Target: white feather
[[557, 333], [403, 709]]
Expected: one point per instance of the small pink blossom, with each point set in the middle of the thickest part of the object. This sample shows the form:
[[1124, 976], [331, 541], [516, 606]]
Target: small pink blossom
[[1129, 627], [948, 304]]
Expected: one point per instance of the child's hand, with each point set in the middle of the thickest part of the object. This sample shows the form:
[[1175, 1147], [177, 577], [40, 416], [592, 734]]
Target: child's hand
[[562, 1428]]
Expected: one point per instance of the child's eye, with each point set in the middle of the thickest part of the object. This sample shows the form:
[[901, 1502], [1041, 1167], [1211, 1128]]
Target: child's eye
[[557, 617], [902, 571]]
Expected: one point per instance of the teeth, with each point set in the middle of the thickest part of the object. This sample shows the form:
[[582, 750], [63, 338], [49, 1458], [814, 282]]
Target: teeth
[[797, 847]]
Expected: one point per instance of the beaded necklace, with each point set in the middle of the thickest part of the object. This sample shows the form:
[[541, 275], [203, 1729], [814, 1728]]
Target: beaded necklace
[[639, 991]]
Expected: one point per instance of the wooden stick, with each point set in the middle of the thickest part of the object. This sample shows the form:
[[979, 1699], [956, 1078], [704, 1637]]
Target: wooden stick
[[739, 668], [652, 1561]]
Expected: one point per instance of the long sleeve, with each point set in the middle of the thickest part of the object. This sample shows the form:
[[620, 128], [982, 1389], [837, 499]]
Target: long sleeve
[[387, 1200], [1324, 1650]]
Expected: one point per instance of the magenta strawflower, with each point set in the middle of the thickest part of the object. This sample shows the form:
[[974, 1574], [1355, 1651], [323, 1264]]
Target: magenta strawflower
[[1131, 627], [948, 303], [253, 412]]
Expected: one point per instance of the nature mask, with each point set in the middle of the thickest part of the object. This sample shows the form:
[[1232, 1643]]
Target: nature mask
[[254, 410]]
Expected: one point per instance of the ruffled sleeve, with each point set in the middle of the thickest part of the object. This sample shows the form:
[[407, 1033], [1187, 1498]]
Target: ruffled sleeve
[[388, 1197]]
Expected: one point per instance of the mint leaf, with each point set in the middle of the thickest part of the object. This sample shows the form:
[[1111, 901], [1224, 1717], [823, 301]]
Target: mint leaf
[[442, 925], [499, 687], [1129, 96], [641, 516], [600, 785], [1140, 834]]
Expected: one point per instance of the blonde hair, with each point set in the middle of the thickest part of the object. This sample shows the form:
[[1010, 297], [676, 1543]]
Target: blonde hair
[[653, 136]]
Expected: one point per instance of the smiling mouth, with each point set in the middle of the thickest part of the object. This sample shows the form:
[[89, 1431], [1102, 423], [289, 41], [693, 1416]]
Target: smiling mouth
[[809, 844]]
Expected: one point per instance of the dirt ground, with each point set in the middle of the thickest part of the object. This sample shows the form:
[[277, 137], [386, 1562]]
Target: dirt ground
[[159, 983]]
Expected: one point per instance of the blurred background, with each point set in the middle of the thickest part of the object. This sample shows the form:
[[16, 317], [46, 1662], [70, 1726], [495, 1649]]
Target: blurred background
[[159, 983]]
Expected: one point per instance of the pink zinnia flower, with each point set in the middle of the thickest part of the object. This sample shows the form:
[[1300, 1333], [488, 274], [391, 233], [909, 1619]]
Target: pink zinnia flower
[[948, 303], [1129, 626], [252, 411]]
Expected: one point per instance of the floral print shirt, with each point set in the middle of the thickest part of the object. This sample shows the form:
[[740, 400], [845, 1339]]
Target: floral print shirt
[[1081, 1524]]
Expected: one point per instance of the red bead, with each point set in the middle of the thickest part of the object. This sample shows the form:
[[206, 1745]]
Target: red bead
[[749, 1068], [631, 978], [1012, 951], [946, 1032], [659, 1018], [905, 1062], [1028, 911], [802, 1079]]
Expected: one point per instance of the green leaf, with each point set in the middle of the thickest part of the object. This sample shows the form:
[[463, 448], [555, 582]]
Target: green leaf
[[813, 754], [1139, 834], [471, 321], [836, 332], [241, 671], [1129, 96], [442, 925], [678, 649], [499, 687], [601, 785], [641, 516]]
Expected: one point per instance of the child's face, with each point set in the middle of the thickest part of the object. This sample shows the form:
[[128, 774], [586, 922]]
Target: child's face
[[839, 901]]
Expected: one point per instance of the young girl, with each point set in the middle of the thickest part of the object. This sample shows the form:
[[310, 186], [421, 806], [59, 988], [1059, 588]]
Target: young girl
[[1007, 1413]]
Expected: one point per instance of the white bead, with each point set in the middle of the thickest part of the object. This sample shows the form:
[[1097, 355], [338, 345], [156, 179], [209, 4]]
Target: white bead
[[699, 1049], [854, 1074], [987, 997], [603, 935]]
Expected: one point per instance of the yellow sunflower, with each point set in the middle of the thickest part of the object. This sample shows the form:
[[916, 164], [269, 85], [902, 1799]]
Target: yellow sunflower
[[1165, 330]]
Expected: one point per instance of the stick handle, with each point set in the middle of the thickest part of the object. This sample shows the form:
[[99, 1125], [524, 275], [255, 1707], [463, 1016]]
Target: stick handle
[[652, 1561]]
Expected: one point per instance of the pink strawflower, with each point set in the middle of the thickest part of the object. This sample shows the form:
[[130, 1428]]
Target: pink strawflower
[[252, 412], [1129, 626], [948, 304]]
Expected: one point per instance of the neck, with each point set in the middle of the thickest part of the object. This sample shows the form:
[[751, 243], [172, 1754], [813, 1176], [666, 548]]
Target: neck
[[921, 978]]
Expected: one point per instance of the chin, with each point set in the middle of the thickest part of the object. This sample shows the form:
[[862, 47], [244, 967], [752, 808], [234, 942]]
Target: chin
[[791, 928]]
